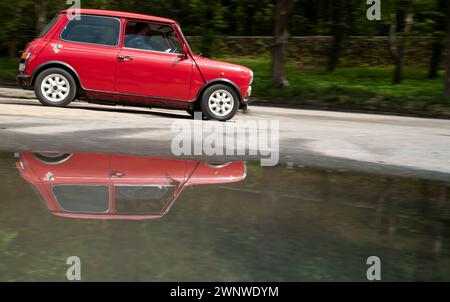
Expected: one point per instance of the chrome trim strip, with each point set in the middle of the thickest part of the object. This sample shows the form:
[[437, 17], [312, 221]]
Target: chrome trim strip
[[139, 95], [151, 50]]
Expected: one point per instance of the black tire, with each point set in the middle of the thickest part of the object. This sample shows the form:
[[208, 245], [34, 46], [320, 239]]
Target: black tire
[[206, 109], [69, 83]]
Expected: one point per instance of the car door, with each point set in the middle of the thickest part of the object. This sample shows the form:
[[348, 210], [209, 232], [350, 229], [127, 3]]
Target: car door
[[142, 170], [145, 184], [90, 45], [152, 64]]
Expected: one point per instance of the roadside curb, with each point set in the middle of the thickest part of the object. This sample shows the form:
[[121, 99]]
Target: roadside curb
[[327, 107], [16, 93]]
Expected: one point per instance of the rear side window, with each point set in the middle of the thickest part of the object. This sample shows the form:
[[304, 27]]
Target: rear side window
[[93, 30], [82, 198]]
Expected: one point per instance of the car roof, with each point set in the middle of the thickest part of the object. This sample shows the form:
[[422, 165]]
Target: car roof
[[119, 14]]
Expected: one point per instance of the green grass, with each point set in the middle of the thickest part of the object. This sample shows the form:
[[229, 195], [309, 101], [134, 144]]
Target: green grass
[[357, 88], [8, 69], [348, 88]]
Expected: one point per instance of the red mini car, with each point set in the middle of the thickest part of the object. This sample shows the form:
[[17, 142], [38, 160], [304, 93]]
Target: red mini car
[[106, 186], [129, 59]]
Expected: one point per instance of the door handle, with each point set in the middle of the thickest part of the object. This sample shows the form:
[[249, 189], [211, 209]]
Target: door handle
[[116, 174], [125, 58]]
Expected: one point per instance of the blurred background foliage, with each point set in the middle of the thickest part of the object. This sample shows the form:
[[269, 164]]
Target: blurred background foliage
[[19, 19]]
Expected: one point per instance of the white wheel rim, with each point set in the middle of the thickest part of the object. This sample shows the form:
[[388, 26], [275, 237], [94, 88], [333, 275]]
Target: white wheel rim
[[55, 87], [221, 102]]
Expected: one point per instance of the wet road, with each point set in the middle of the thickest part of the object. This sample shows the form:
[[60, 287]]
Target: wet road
[[360, 142], [348, 186]]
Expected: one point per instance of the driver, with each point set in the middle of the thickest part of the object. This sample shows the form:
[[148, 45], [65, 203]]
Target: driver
[[142, 38]]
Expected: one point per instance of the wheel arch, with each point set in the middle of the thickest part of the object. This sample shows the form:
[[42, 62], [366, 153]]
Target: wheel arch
[[57, 159], [57, 64], [210, 83]]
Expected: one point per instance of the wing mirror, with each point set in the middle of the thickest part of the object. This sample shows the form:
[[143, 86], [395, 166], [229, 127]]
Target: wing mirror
[[185, 51]]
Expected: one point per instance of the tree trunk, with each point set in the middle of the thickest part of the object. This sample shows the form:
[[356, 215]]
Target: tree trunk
[[280, 41], [339, 33], [438, 40], [13, 48], [436, 56], [41, 14], [447, 74], [398, 72], [14, 40], [400, 23]]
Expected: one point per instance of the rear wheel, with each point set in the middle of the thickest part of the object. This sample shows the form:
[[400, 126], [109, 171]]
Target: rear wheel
[[55, 87], [220, 102]]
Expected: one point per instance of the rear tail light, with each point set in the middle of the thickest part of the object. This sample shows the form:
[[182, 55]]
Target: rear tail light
[[24, 56], [23, 61], [19, 165]]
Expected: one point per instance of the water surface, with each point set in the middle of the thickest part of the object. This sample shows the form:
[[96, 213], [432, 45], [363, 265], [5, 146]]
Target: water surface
[[278, 224]]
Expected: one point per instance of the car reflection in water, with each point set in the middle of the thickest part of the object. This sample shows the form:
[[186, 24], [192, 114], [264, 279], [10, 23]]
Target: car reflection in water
[[106, 186]]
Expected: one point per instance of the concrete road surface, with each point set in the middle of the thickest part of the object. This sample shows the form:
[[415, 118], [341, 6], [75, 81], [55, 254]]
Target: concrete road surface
[[334, 140]]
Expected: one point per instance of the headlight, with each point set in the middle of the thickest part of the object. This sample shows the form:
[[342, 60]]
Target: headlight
[[251, 77]]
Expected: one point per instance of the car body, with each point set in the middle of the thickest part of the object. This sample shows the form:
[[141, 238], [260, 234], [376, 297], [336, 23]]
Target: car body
[[129, 59], [107, 186]]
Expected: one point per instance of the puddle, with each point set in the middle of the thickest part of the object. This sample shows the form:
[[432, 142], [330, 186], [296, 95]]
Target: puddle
[[134, 218]]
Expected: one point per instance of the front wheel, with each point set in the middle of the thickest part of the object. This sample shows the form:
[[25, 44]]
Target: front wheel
[[55, 87], [220, 102]]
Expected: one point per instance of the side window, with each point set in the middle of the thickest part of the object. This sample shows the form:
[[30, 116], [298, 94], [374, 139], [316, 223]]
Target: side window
[[82, 198], [92, 29], [152, 36], [143, 199]]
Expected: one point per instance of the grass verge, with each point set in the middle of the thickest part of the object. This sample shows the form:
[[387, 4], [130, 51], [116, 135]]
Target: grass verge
[[366, 89]]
